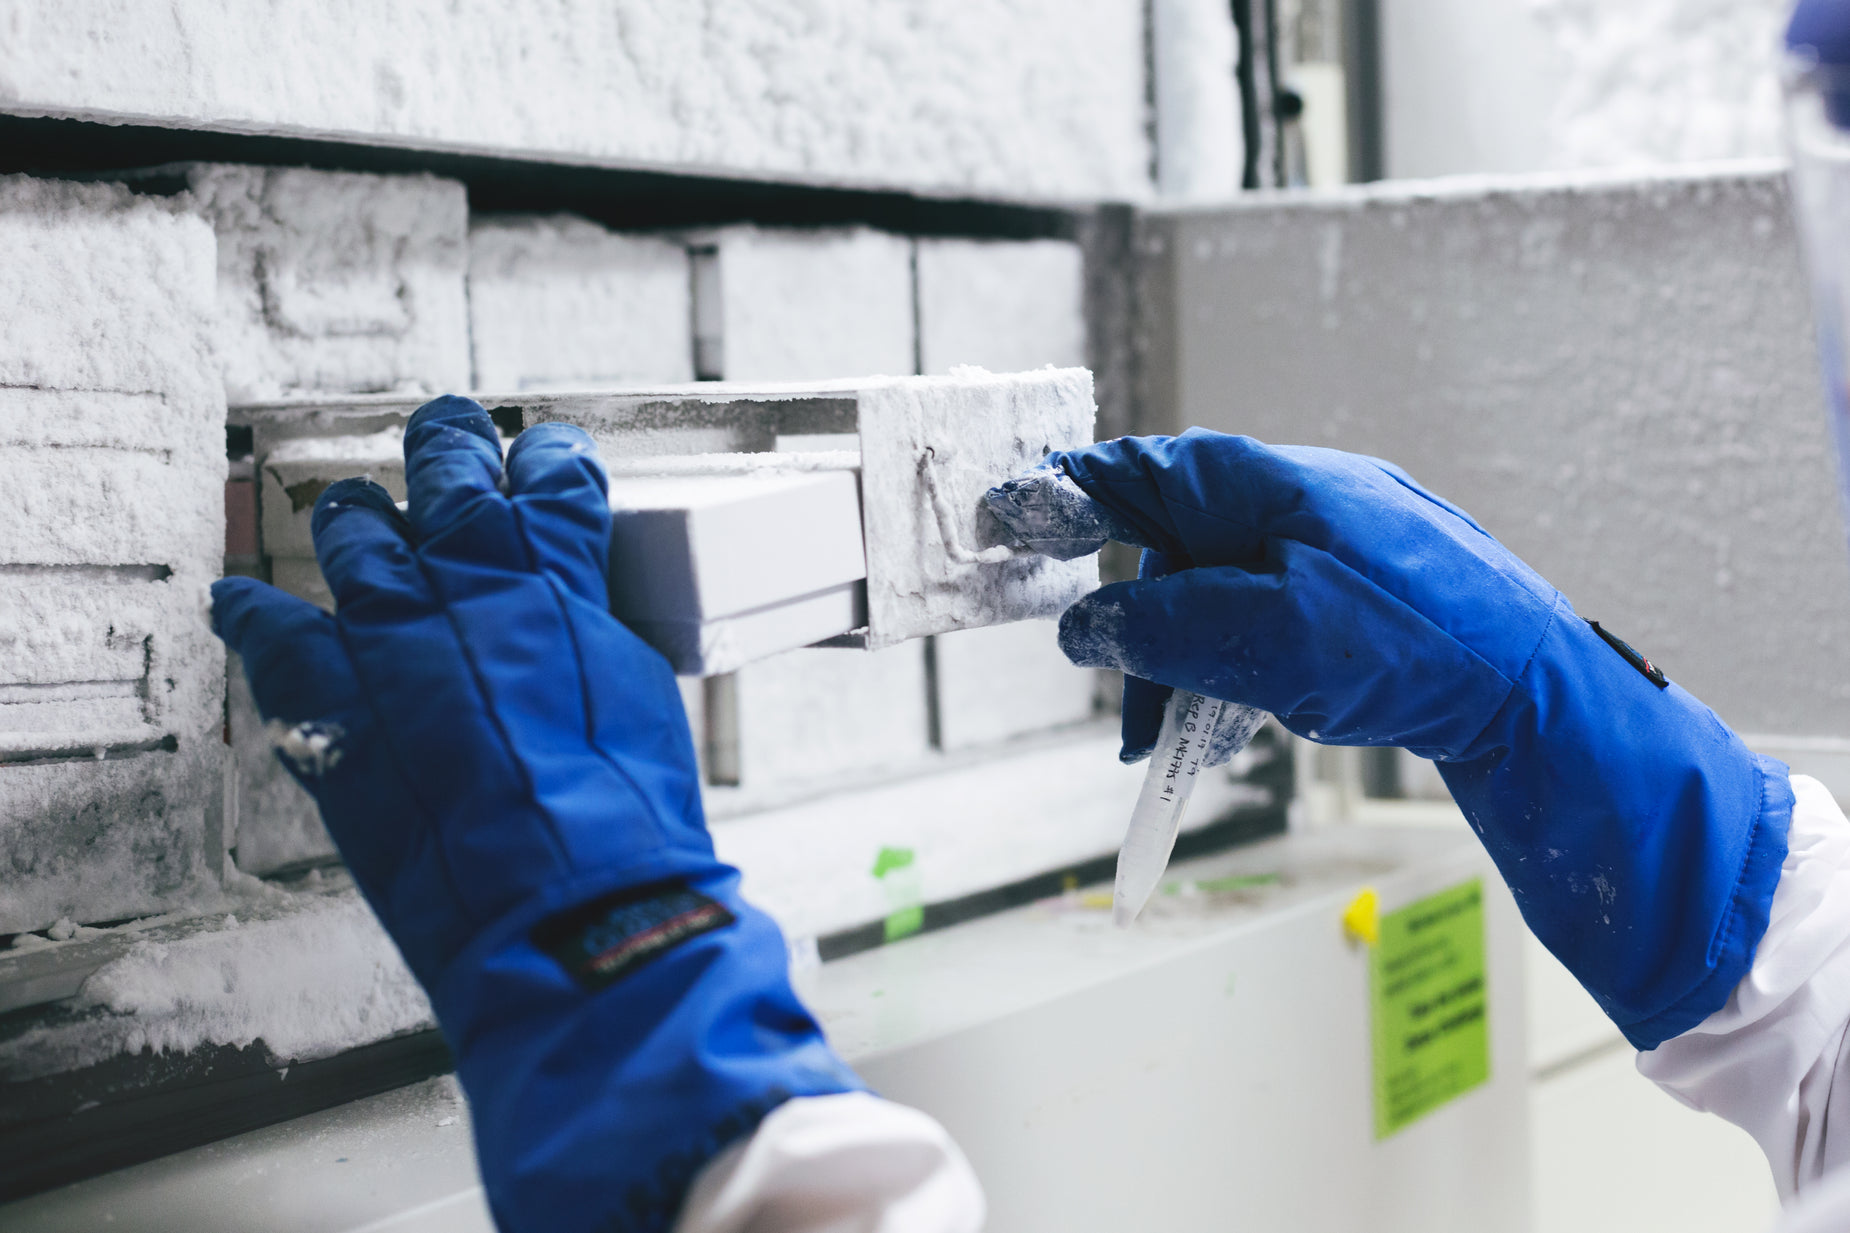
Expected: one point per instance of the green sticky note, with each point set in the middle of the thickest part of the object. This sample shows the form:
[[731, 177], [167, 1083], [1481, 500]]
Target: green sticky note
[[1429, 1005]]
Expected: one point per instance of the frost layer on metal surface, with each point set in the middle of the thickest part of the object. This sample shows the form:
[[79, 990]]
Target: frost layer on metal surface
[[309, 975], [335, 281], [276, 825], [785, 304], [1005, 305], [1615, 375], [111, 436], [1014, 98], [963, 433], [560, 303], [1006, 681]]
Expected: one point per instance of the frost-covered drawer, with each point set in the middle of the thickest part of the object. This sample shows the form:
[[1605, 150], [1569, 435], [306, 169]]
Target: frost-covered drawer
[[111, 439], [929, 447]]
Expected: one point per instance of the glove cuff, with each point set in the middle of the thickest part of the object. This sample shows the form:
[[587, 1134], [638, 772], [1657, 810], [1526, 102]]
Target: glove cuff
[[1744, 922], [1641, 838], [613, 1039]]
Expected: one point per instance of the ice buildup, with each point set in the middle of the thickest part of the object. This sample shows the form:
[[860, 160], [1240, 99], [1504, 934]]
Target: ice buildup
[[112, 440]]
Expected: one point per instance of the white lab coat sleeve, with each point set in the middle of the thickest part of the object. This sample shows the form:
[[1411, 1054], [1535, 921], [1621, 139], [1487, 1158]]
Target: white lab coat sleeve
[[1769, 1060], [852, 1163]]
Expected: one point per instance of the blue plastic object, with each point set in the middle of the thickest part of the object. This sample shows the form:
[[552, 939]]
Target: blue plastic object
[[1818, 39], [1820, 31], [1642, 839], [509, 775]]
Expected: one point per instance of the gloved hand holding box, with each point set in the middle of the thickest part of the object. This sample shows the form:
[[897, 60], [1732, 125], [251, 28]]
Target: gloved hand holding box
[[509, 775]]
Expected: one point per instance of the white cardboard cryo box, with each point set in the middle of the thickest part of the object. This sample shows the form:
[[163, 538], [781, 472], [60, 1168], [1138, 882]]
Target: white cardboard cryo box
[[717, 570]]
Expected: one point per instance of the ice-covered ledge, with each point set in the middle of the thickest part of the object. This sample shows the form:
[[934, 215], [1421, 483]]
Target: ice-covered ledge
[[1641, 177], [1191, 1047], [305, 969], [1041, 100], [309, 973]]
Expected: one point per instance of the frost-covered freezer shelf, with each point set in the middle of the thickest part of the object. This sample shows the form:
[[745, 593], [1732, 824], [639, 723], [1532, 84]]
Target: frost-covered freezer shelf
[[1214, 1060], [925, 450], [289, 981]]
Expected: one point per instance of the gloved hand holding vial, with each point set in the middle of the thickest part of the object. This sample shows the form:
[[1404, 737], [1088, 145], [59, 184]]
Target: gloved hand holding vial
[[1047, 512]]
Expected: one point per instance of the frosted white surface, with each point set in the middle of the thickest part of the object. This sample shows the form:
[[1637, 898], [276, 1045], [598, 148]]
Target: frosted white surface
[[1200, 145], [401, 1162], [1019, 98], [277, 824], [1006, 681], [111, 435], [813, 305], [808, 716], [334, 281], [296, 471], [981, 429], [308, 978], [291, 476], [1009, 306], [1004, 305], [560, 302], [95, 841], [1525, 85], [970, 828], [1616, 376], [1664, 80]]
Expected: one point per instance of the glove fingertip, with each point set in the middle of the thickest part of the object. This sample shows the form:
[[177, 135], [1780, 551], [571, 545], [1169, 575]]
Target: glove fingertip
[[360, 492], [455, 411], [230, 598], [559, 459], [553, 434], [251, 616], [1142, 718], [1092, 631]]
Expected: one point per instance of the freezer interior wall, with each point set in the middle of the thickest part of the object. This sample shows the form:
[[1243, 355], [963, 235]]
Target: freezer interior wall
[[1613, 372], [171, 883]]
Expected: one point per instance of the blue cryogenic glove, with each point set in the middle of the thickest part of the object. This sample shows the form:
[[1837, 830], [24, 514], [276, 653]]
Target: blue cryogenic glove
[[509, 775], [1641, 838]]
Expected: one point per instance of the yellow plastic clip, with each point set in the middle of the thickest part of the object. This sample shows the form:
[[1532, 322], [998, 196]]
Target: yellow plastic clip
[[1362, 918]]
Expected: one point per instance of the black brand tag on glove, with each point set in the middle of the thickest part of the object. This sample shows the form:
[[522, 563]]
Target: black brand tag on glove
[[1650, 670], [608, 938]]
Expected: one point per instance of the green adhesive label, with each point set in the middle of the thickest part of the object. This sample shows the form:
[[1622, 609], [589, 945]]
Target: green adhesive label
[[1429, 1005], [896, 869], [904, 923]]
